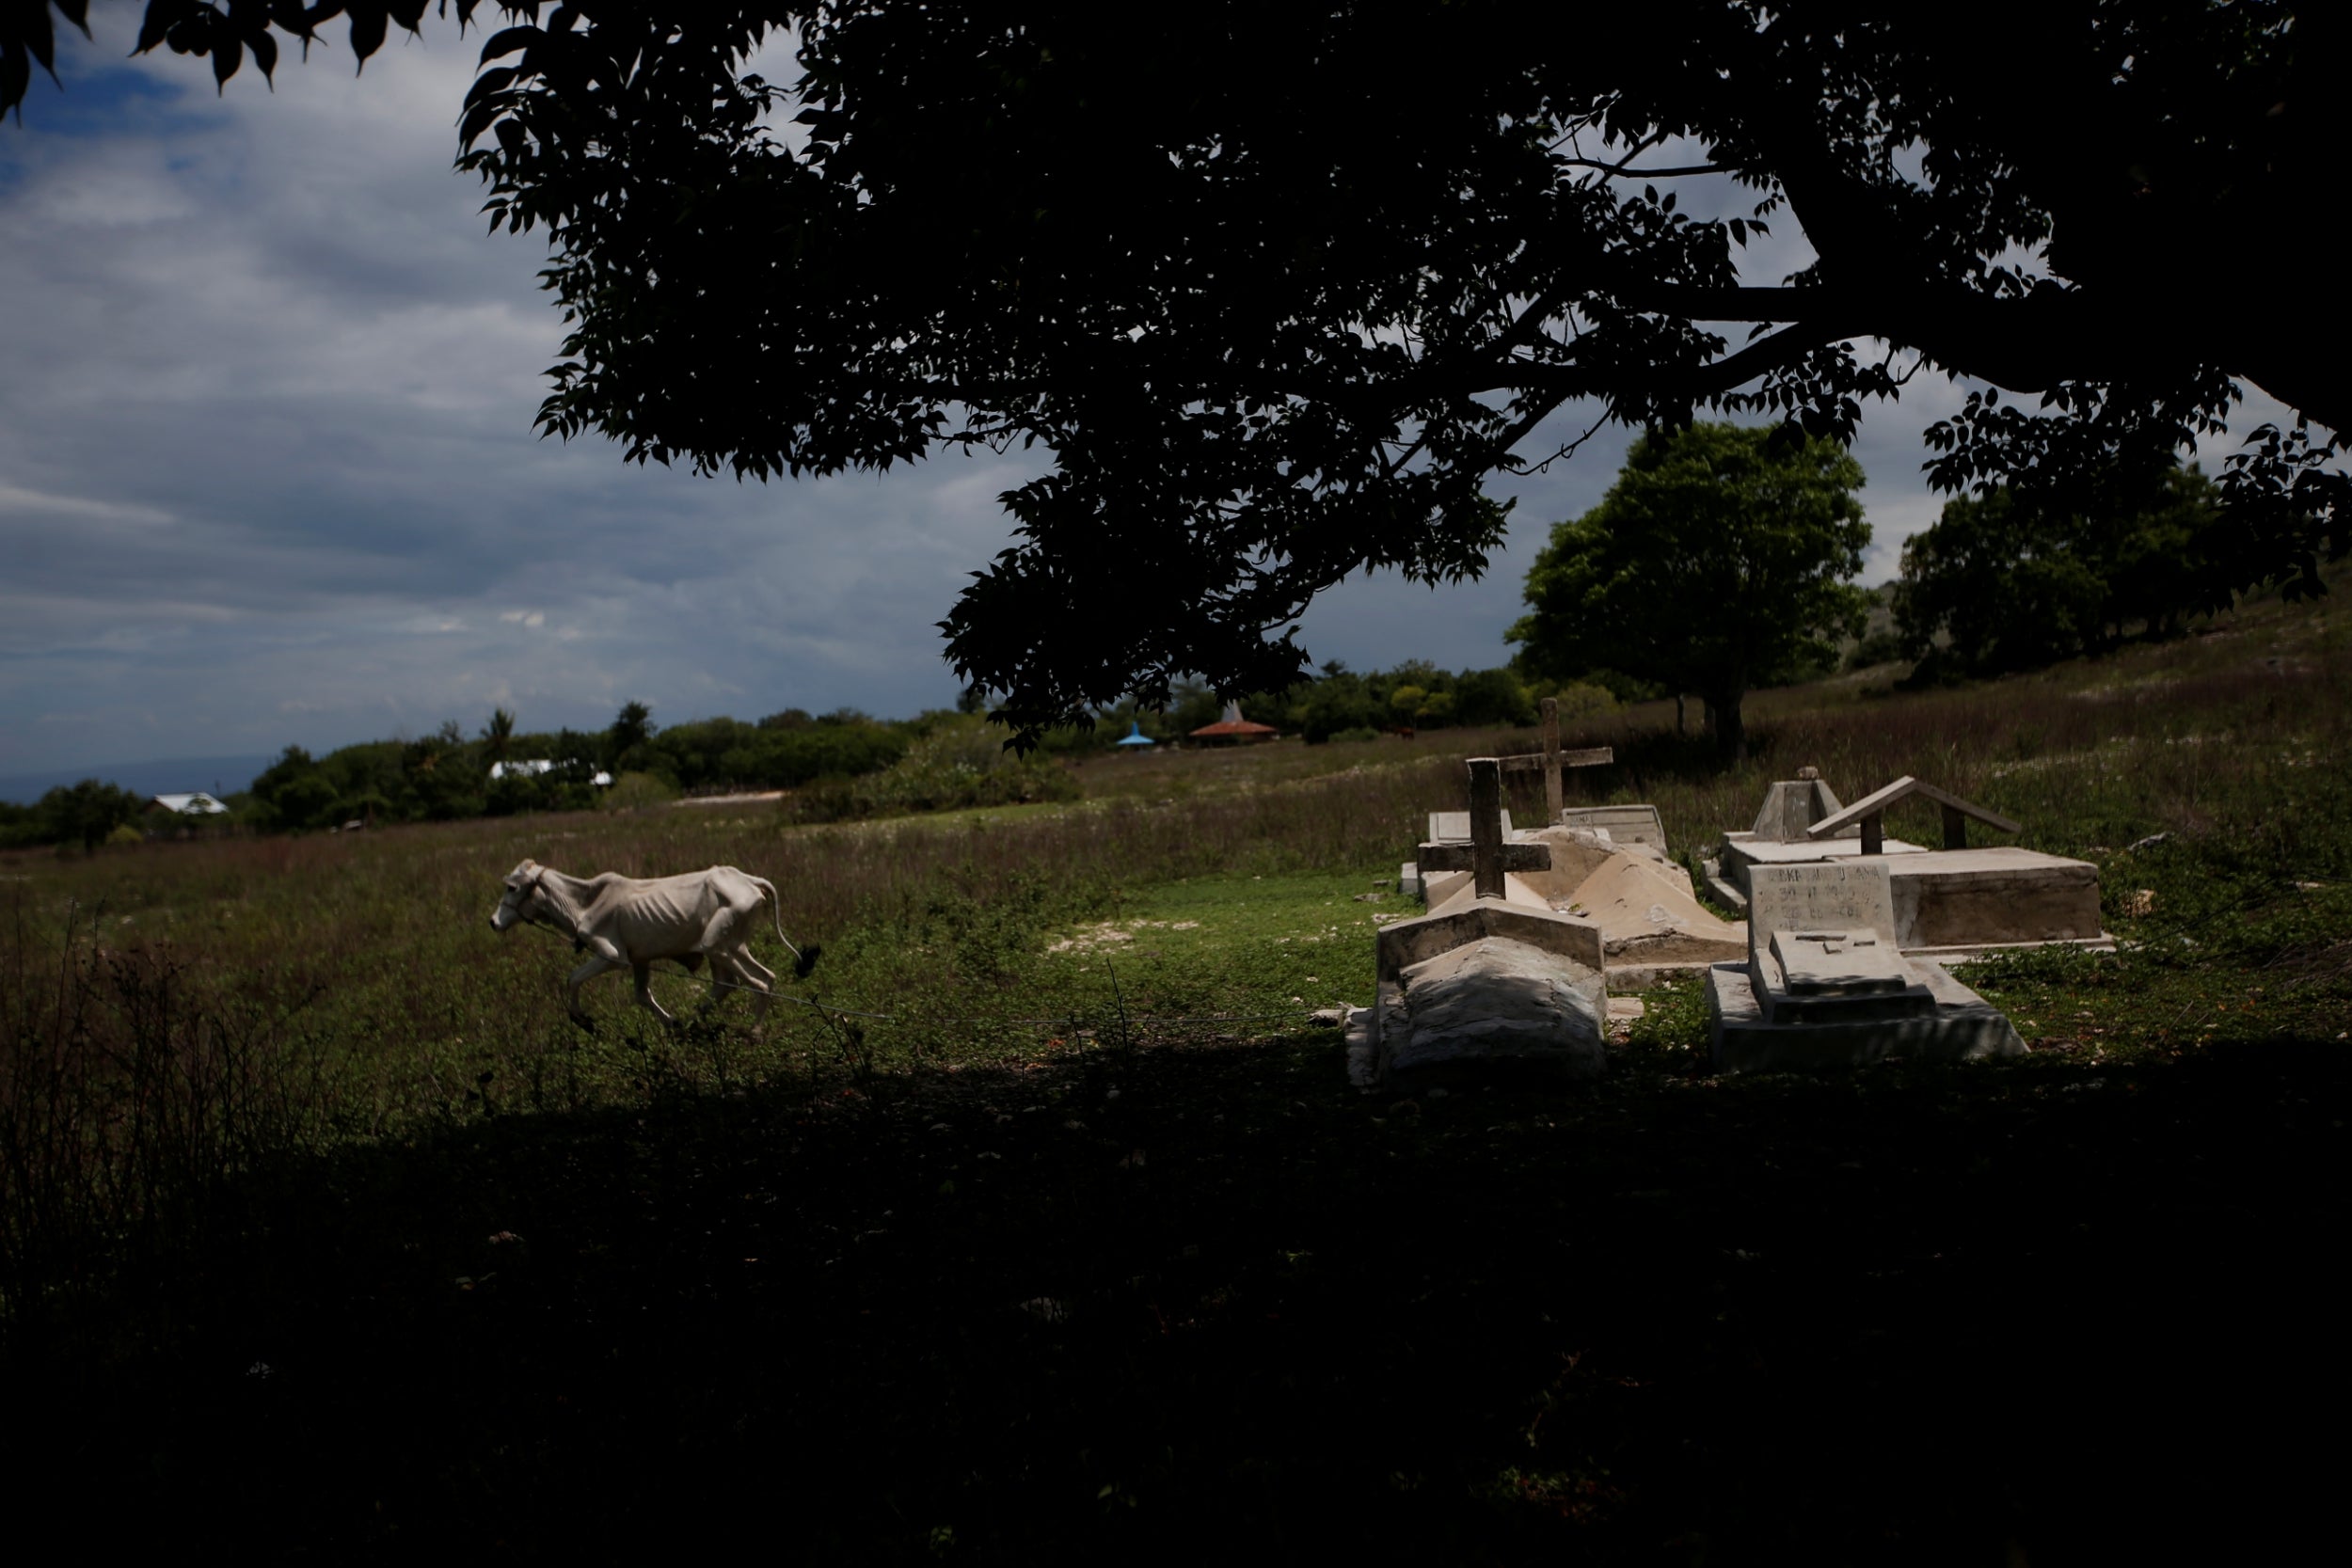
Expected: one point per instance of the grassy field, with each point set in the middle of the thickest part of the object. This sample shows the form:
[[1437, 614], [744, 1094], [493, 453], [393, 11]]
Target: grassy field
[[326, 1235]]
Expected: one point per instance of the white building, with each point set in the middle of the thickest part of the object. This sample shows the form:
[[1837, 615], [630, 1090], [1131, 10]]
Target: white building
[[537, 766], [197, 804]]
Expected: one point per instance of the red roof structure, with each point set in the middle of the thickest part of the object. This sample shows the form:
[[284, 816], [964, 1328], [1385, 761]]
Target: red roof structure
[[1233, 730]]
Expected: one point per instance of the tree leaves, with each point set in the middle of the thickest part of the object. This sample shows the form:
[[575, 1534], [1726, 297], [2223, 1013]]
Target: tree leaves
[[1717, 561], [224, 31], [1265, 331]]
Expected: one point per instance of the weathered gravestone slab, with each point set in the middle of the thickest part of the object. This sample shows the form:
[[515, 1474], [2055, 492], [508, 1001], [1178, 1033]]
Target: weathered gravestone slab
[[1820, 895], [1454, 827], [1826, 985], [1623, 824]]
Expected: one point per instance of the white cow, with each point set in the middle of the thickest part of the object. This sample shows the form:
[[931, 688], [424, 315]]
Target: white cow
[[626, 921]]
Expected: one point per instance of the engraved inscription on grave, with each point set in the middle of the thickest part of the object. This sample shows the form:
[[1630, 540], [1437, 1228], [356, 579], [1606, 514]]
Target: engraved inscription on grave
[[1819, 895]]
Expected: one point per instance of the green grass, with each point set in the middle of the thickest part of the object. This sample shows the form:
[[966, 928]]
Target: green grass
[[1087, 1249]]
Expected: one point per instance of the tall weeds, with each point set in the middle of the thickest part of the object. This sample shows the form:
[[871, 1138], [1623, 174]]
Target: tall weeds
[[128, 1108], [247, 1000]]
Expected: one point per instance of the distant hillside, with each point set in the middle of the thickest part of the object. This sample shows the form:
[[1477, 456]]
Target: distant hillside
[[173, 775]]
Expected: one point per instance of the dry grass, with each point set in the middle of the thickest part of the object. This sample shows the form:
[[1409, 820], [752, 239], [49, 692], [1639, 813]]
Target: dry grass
[[321, 1223]]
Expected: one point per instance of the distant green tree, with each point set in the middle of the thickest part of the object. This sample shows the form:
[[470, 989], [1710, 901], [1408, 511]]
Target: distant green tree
[[2002, 583], [440, 777], [1720, 556], [295, 792], [1341, 701], [1190, 705], [625, 743], [89, 811], [1491, 697], [498, 736], [632, 726]]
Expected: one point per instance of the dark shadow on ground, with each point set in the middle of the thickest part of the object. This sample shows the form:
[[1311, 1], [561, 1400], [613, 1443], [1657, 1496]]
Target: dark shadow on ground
[[2038, 1314]]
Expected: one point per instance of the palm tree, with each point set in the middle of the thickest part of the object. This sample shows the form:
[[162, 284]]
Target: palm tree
[[631, 729], [497, 734]]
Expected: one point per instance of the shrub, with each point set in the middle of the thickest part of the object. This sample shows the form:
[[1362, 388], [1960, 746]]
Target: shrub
[[1581, 701], [633, 791], [960, 764]]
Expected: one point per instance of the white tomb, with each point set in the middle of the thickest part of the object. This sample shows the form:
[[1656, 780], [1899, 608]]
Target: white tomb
[[1955, 903], [1493, 980], [1825, 985]]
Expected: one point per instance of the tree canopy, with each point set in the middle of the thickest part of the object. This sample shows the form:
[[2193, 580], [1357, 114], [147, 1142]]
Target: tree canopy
[[1717, 561], [2003, 584], [1276, 289]]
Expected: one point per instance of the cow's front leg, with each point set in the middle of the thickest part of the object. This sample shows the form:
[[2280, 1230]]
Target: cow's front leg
[[580, 976], [725, 980], [645, 993]]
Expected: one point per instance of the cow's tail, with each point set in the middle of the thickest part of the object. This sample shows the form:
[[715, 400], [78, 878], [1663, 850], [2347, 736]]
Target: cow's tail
[[803, 961]]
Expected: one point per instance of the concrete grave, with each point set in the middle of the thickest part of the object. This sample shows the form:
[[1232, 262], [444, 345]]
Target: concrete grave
[[1623, 824], [1495, 979], [1956, 903], [1496, 1003], [1951, 903], [1825, 984], [1653, 928], [1783, 836]]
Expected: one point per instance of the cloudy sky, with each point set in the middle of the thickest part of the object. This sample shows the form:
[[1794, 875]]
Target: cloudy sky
[[267, 473]]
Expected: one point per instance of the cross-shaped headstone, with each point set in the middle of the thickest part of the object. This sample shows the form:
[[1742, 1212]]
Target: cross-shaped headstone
[[1486, 857], [1551, 759]]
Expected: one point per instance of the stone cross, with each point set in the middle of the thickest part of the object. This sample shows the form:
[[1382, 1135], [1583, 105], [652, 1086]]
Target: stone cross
[[1486, 857], [1551, 759]]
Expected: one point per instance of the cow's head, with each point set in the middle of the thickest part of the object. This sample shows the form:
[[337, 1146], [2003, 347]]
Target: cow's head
[[522, 885]]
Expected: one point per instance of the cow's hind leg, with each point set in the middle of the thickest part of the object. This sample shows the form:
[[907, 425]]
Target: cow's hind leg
[[741, 974], [758, 978], [580, 976], [726, 980]]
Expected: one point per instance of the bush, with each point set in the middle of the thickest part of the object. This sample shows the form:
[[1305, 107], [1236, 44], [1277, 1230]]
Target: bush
[[1880, 648], [1581, 702], [1361, 731], [634, 791], [960, 764]]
